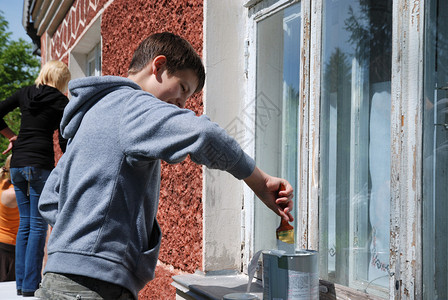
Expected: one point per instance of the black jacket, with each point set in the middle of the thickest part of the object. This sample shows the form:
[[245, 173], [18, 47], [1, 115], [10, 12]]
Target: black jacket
[[41, 108]]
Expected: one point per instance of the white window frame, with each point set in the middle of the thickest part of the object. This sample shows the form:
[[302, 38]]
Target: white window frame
[[258, 12], [231, 74], [406, 144], [86, 49], [406, 126]]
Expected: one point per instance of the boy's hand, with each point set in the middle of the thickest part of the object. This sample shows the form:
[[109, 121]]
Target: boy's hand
[[276, 193]]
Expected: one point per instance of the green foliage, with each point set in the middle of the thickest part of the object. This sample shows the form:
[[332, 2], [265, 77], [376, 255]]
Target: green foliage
[[18, 68], [371, 35], [337, 72]]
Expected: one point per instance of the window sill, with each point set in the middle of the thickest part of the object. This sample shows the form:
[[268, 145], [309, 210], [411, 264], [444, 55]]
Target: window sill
[[213, 286]]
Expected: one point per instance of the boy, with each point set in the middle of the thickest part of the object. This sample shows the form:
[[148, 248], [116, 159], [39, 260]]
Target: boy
[[102, 197]]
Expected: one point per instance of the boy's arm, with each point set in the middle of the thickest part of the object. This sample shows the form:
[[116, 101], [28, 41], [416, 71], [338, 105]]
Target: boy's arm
[[276, 193], [171, 134]]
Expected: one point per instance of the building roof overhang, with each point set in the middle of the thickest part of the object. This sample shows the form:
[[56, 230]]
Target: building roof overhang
[[40, 16]]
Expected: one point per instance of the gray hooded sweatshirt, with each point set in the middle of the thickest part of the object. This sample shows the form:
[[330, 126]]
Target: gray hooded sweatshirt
[[102, 197]]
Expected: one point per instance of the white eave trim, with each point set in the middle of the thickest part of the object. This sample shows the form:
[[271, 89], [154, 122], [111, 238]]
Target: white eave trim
[[47, 15]]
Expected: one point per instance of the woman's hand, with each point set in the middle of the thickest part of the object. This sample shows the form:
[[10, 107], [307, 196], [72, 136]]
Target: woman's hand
[[11, 136], [11, 144]]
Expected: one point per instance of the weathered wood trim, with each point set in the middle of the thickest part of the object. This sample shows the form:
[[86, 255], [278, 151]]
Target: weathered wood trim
[[406, 161], [301, 195], [249, 197], [314, 122]]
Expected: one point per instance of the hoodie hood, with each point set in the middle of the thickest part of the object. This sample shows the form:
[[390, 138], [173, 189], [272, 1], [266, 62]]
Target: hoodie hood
[[43, 96], [85, 93]]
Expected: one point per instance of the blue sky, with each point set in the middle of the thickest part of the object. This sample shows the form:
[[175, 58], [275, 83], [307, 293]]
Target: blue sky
[[12, 11]]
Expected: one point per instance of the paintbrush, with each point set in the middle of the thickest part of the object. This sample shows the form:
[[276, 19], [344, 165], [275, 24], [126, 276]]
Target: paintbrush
[[285, 234]]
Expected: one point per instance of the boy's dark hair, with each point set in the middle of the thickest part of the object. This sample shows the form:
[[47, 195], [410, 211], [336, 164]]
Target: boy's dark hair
[[179, 54]]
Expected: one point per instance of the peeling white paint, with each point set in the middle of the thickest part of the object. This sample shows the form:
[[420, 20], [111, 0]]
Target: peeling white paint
[[406, 183]]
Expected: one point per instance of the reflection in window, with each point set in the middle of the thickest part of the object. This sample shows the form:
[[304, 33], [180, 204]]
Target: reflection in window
[[435, 152], [355, 144], [278, 68]]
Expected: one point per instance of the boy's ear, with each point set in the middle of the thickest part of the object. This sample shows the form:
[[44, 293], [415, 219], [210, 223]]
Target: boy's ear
[[158, 63]]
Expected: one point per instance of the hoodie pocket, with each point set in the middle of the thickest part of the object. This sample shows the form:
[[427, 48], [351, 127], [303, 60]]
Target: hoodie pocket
[[147, 261]]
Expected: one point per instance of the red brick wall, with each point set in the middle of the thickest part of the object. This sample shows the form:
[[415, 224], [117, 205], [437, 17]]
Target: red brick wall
[[124, 25]]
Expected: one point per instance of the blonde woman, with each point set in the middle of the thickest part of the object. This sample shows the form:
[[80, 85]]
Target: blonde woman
[[41, 106], [9, 224]]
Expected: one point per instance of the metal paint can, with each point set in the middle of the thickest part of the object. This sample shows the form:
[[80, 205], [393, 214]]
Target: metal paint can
[[240, 296], [290, 276]]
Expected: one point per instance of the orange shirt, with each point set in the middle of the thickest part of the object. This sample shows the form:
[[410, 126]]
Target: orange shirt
[[9, 219]]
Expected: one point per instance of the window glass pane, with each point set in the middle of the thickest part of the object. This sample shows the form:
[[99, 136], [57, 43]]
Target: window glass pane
[[278, 69], [98, 62], [91, 68], [354, 210], [94, 62], [435, 152]]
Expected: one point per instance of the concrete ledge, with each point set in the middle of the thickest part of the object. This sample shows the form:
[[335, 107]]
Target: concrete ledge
[[213, 286], [8, 291]]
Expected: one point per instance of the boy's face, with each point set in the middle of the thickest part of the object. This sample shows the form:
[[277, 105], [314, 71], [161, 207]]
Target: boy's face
[[172, 88], [176, 88]]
